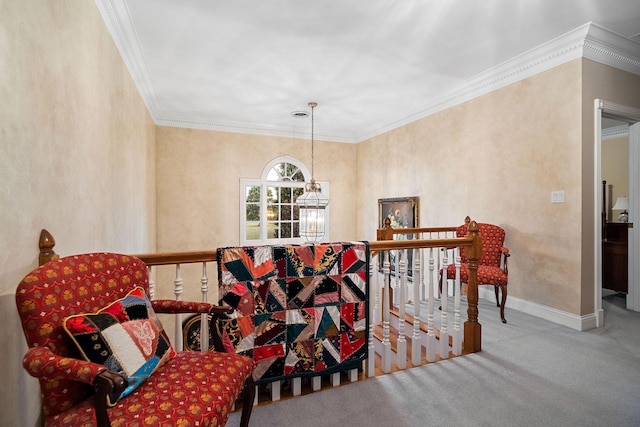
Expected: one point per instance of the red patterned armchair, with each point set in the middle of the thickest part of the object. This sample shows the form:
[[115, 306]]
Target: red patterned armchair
[[102, 357], [492, 266]]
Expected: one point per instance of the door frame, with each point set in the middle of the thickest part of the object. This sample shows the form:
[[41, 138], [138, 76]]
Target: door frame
[[631, 116]]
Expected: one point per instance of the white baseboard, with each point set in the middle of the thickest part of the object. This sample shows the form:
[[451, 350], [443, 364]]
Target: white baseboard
[[570, 320]]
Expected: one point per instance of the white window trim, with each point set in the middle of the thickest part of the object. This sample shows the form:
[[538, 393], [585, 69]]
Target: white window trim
[[263, 183]]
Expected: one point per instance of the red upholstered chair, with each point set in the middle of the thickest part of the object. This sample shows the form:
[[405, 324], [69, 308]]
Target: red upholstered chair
[[492, 266], [100, 299]]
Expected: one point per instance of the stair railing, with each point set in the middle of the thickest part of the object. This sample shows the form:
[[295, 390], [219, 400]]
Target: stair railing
[[471, 243], [390, 256]]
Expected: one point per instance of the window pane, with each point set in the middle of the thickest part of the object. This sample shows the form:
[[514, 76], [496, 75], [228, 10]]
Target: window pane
[[253, 194], [272, 212], [286, 212], [252, 231], [272, 194], [285, 194], [273, 175], [291, 170], [253, 212], [298, 177], [296, 212], [272, 230], [285, 230]]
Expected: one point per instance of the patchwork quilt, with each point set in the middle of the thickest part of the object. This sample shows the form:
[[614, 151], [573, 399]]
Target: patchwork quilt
[[298, 309]]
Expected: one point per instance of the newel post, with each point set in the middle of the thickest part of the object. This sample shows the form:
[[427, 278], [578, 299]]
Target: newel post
[[473, 329], [385, 233]]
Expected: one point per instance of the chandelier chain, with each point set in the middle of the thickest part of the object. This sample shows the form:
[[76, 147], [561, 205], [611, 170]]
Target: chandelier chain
[[312, 141]]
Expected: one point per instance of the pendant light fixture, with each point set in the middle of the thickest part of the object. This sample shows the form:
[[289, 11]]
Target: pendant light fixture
[[312, 203]]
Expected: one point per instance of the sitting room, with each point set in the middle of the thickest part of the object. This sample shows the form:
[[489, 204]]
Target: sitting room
[[140, 127]]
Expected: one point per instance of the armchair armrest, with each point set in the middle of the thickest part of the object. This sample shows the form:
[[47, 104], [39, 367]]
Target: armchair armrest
[[41, 362], [218, 313], [107, 383], [171, 306], [215, 311]]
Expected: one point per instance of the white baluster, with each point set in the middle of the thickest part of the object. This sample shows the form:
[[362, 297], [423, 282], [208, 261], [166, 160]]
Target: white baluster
[[377, 317], [353, 375], [401, 351], [386, 345], [416, 346], [431, 336], [373, 310], [444, 302], [275, 391], [439, 262], [423, 289], [296, 386], [396, 292], [177, 289], [152, 284], [457, 331], [316, 383], [335, 379], [204, 317]]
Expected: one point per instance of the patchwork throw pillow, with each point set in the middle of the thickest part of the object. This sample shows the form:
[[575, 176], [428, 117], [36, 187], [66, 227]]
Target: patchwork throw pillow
[[126, 336]]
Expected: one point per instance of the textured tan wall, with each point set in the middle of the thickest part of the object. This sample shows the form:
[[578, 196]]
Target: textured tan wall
[[615, 168], [496, 158], [77, 157], [198, 185]]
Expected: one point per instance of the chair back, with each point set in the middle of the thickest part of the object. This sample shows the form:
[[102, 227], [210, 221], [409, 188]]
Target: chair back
[[64, 287], [492, 243]]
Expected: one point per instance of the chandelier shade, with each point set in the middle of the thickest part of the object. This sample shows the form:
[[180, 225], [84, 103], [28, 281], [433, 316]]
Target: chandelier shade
[[312, 203]]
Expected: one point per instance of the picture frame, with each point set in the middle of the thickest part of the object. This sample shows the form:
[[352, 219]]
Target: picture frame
[[404, 212]]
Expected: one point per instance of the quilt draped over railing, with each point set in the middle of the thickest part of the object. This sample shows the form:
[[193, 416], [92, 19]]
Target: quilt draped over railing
[[299, 310]]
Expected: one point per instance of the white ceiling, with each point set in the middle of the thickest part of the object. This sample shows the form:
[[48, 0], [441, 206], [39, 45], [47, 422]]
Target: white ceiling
[[372, 65]]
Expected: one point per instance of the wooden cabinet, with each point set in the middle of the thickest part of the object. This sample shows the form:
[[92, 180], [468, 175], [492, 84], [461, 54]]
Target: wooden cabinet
[[615, 256]]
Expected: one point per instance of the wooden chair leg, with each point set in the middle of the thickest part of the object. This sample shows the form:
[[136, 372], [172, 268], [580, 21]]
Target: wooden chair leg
[[504, 301], [247, 401], [496, 289]]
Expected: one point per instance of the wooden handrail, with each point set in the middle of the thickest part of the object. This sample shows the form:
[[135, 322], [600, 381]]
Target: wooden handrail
[[472, 244], [387, 232], [386, 245], [46, 244], [167, 258]]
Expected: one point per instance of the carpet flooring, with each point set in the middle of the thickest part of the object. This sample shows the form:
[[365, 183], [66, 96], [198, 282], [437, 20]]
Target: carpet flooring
[[530, 372]]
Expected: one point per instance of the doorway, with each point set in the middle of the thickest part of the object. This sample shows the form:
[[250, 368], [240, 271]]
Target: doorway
[[631, 116]]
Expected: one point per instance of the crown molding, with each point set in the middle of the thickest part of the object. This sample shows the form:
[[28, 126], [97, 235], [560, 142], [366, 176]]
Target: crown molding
[[589, 41], [117, 19], [250, 129], [609, 48], [616, 132]]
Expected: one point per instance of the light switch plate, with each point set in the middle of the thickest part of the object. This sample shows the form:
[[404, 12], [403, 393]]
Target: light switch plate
[[557, 196]]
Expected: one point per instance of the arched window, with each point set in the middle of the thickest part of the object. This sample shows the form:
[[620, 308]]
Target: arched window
[[268, 212]]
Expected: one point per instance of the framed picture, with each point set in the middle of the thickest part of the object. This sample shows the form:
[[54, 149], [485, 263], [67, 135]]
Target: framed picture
[[403, 213]]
